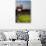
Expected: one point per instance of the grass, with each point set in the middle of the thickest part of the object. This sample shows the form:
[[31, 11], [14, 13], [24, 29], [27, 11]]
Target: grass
[[24, 18]]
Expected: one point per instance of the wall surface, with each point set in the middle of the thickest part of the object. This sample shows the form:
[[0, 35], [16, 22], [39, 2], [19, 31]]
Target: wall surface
[[7, 15]]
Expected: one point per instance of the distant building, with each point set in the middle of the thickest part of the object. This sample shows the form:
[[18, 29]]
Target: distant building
[[19, 8]]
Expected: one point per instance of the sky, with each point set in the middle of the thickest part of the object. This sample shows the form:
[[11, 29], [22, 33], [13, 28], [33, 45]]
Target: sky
[[23, 0], [26, 3]]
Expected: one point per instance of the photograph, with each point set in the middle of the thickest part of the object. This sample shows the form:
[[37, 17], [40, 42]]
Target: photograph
[[23, 11]]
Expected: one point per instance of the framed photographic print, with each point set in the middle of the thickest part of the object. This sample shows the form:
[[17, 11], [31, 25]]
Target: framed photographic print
[[23, 11]]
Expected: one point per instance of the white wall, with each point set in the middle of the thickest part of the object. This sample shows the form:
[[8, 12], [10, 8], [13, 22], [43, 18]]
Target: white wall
[[7, 15]]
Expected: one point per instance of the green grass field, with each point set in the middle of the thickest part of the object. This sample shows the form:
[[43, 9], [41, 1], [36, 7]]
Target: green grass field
[[24, 18]]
